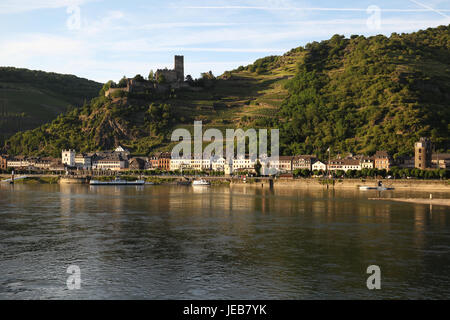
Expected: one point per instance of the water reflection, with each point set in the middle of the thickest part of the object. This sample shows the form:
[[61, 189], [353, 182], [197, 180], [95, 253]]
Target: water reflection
[[219, 242]]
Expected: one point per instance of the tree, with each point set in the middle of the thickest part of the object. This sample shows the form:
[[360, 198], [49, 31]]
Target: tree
[[151, 76], [161, 79], [106, 87], [189, 79], [139, 78], [123, 82], [258, 167]]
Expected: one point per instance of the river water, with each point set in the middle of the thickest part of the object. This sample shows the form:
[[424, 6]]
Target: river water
[[170, 242]]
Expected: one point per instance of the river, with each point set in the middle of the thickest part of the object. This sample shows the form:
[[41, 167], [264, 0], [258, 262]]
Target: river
[[174, 242]]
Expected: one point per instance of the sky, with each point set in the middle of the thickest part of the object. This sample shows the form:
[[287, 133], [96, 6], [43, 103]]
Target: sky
[[106, 39]]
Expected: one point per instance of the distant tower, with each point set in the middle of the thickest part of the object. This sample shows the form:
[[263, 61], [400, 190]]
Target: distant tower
[[68, 158], [423, 150], [179, 67]]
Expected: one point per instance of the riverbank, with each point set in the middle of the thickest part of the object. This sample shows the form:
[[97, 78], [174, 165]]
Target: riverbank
[[35, 180], [413, 185], [437, 202]]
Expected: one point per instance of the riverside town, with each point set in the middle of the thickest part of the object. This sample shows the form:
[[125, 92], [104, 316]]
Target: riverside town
[[425, 164]]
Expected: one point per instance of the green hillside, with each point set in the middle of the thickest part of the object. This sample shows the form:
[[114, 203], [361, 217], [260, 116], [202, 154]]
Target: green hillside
[[354, 95], [29, 99]]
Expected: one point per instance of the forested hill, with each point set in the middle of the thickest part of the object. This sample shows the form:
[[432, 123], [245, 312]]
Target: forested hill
[[30, 98], [363, 94], [354, 94]]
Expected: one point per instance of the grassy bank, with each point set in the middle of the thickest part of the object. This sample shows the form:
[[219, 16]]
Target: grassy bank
[[159, 181], [38, 180]]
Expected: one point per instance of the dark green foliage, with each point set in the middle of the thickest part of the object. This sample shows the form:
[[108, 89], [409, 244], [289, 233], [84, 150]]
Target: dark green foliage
[[262, 65], [30, 98], [258, 167], [100, 125], [366, 94], [67, 85], [139, 78], [161, 79], [123, 82]]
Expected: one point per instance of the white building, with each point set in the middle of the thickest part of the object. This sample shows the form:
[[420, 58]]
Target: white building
[[18, 162], [303, 162], [190, 164], [244, 164], [367, 163], [120, 149], [44, 163], [218, 164], [351, 164], [68, 158], [282, 165], [319, 166], [180, 164], [83, 161], [112, 162], [228, 169]]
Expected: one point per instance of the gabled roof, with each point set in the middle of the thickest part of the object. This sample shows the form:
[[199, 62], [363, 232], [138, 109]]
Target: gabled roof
[[381, 154], [351, 162]]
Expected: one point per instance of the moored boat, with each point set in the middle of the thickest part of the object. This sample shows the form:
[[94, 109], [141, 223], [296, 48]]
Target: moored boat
[[380, 187], [117, 182], [201, 182]]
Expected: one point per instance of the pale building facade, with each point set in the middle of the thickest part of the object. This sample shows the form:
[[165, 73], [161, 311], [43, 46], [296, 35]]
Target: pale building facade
[[68, 158], [318, 166]]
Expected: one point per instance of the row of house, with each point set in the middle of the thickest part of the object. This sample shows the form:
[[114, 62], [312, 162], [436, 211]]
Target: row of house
[[31, 163], [116, 160], [120, 159]]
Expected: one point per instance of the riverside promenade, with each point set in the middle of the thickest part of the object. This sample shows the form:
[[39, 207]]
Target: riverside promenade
[[265, 182]]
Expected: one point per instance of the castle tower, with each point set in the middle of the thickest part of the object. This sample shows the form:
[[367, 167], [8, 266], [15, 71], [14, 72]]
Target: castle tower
[[423, 153], [68, 158], [179, 68]]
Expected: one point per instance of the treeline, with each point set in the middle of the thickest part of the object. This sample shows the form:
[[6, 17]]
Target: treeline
[[393, 173], [76, 89]]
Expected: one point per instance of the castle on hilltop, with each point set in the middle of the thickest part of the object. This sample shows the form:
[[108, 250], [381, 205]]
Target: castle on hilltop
[[163, 80], [174, 75]]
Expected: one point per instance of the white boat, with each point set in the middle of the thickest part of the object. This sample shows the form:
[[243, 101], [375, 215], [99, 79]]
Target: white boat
[[201, 182], [376, 188], [117, 182], [380, 187]]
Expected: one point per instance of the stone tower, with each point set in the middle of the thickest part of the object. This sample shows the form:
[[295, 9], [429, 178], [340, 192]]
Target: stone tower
[[179, 68], [68, 157], [423, 153]]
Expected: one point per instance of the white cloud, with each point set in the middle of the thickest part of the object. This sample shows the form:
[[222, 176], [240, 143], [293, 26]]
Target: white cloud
[[105, 24], [17, 6], [39, 44], [274, 8]]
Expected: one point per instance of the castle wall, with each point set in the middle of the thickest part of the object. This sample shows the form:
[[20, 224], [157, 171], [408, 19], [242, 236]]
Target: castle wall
[[169, 75], [110, 91]]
